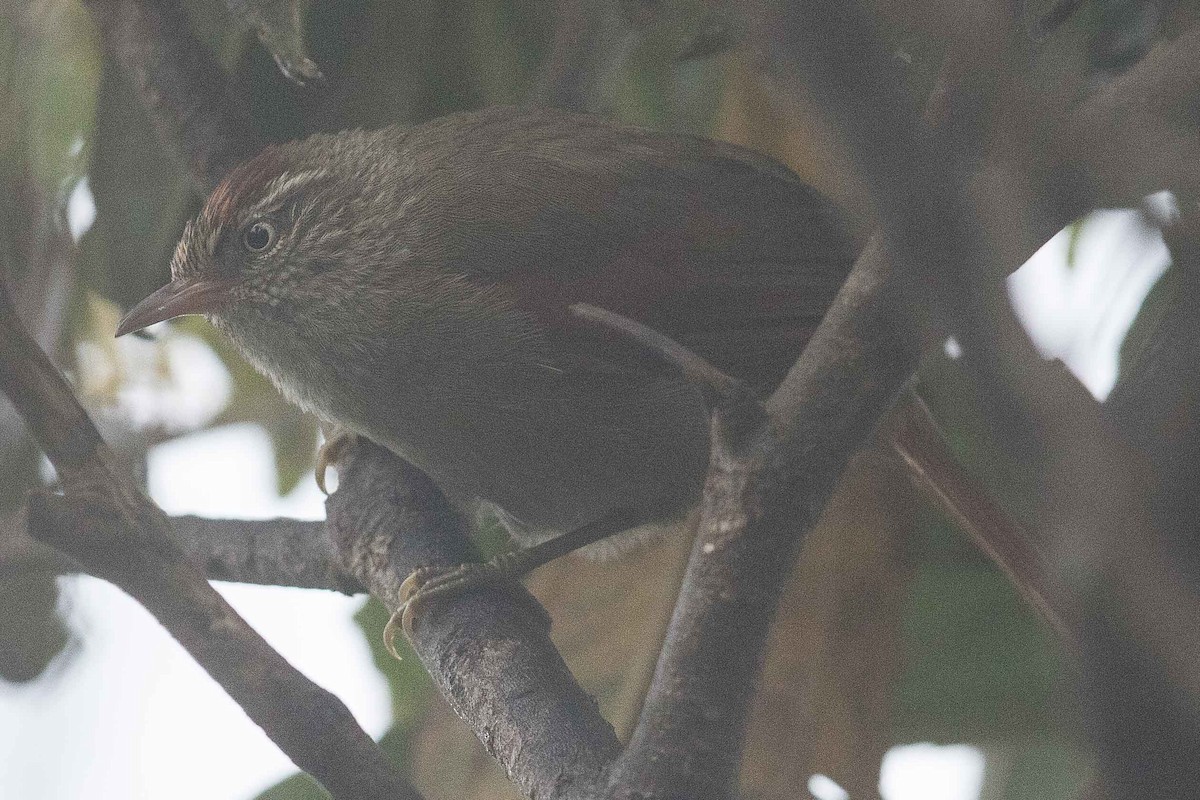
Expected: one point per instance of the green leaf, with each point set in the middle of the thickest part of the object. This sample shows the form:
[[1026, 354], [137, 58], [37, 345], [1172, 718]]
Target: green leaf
[[59, 70], [651, 87]]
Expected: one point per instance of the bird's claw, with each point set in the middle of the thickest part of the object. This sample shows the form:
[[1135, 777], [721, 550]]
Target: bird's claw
[[330, 453], [427, 583]]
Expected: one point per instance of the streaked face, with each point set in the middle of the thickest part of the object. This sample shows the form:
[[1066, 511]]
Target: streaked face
[[241, 248]]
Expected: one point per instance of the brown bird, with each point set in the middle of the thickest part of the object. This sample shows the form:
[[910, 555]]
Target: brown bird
[[413, 286]]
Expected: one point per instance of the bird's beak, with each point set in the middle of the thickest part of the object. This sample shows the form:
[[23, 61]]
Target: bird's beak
[[177, 298]]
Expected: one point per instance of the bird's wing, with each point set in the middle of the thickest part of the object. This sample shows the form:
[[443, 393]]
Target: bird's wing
[[722, 249]]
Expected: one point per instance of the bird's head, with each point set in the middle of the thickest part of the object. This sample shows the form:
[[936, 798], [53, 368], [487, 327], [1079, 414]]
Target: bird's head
[[278, 235]]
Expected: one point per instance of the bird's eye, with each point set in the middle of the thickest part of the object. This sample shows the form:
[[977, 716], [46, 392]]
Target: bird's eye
[[259, 236]]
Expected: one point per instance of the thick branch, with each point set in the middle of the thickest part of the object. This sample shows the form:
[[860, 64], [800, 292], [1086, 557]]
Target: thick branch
[[488, 651], [181, 84], [765, 492], [114, 531], [1137, 135]]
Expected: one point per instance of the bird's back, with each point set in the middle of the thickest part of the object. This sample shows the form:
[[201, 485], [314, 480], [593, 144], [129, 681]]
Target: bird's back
[[719, 247]]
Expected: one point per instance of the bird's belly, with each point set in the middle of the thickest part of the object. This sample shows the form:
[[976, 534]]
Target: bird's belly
[[551, 449], [552, 464]]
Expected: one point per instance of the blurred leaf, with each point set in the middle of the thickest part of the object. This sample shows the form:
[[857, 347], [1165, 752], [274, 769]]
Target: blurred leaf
[[280, 28], [508, 41], [31, 631], [650, 87], [49, 68], [981, 666], [212, 24], [1045, 769], [59, 72], [142, 194], [410, 685], [1143, 332], [298, 787]]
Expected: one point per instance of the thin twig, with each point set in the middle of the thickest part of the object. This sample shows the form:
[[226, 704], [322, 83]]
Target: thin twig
[[917, 438]]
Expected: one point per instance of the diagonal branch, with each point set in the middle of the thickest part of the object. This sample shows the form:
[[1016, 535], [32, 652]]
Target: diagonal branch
[[104, 522], [488, 651], [765, 491]]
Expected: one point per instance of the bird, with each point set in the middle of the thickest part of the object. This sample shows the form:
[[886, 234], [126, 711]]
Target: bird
[[414, 285]]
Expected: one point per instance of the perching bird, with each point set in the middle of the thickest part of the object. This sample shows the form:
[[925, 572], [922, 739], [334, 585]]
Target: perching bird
[[413, 286]]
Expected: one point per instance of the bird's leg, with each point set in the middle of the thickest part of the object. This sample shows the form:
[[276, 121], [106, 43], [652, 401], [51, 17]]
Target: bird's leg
[[427, 583], [335, 444]]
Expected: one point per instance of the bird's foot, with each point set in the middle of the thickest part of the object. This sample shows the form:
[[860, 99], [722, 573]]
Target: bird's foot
[[428, 583], [332, 449]]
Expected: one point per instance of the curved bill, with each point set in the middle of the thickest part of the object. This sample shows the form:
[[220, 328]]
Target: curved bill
[[177, 298]]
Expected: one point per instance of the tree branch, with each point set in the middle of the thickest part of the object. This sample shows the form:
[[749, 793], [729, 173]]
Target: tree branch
[[1120, 517], [266, 552], [269, 552], [488, 651], [1097, 511], [104, 522], [1137, 134], [766, 491]]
